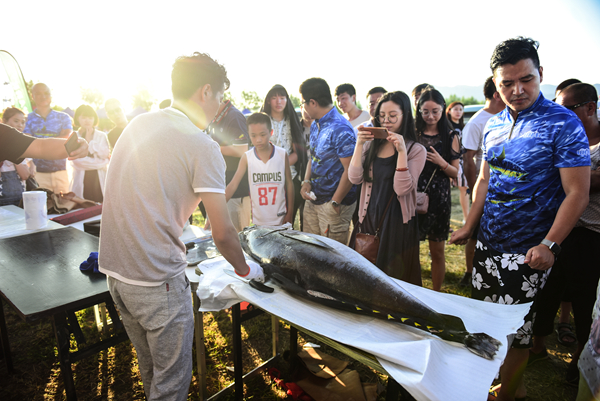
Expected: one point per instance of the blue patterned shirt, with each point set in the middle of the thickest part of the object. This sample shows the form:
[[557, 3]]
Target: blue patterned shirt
[[331, 138], [49, 127], [525, 191]]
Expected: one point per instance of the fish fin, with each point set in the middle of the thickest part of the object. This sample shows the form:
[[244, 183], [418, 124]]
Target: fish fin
[[289, 284], [298, 236]]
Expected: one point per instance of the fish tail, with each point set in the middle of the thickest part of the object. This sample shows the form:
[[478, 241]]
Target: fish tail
[[478, 343]]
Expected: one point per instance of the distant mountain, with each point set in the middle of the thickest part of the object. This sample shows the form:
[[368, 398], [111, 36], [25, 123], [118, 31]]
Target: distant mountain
[[477, 91]]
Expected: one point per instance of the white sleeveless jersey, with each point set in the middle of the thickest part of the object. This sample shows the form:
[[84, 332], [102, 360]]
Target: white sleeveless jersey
[[267, 187]]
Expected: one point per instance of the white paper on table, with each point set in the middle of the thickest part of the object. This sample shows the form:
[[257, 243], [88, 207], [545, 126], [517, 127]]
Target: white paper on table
[[428, 367]]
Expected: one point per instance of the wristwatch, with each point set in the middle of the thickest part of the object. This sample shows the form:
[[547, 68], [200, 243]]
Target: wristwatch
[[553, 246], [334, 203]]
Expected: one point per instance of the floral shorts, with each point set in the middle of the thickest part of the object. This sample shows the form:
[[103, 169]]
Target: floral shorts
[[503, 278]]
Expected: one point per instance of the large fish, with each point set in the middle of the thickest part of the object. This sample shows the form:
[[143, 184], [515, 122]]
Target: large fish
[[330, 273]]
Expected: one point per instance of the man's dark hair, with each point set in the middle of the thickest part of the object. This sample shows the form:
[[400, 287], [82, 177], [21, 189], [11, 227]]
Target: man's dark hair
[[377, 89], [345, 88], [582, 92], [164, 104], [192, 72], [565, 83], [318, 90], [489, 88], [420, 88], [512, 51], [259, 118]]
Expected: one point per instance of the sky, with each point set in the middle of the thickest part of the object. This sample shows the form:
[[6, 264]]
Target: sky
[[119, 46]]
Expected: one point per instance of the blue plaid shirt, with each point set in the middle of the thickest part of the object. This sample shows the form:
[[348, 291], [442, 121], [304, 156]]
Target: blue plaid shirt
[[331, 139], [49, 127]]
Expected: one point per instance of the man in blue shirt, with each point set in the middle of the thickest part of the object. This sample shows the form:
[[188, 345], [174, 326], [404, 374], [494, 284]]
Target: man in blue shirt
[[332, 142], [533, 186], [44, 122]]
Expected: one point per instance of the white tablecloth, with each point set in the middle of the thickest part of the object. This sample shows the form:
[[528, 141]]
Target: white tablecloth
[[428, 367]]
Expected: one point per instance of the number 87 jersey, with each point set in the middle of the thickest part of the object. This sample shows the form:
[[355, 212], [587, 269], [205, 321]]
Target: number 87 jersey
[[267, 187]]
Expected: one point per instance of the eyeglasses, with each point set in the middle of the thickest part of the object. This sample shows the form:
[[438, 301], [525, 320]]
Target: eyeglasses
[[305, 102], [435, 112], [578, 105], [390, 119]]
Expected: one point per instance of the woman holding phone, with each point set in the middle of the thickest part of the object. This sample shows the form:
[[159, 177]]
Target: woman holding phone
[[287, 134], [435, 132], [388, 170], [89, 173]]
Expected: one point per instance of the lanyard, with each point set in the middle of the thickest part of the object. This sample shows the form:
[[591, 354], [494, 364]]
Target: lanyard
[[223, 113]]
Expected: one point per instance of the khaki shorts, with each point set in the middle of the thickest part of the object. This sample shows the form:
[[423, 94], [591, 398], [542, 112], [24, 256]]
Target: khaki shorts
[[324, 220], [57, 181]]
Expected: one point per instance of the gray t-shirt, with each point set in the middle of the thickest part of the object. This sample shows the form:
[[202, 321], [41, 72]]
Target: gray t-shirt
[[153, 183]]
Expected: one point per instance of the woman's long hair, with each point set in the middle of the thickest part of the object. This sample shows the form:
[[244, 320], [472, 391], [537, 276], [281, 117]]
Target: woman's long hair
[[461, 122], [407, 127], [444, 126], [295, 127]]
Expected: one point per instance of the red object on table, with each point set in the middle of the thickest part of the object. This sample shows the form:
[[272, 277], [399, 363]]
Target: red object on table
[[78, 215]]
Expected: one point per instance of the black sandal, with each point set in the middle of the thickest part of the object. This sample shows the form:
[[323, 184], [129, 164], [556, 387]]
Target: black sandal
[[565, 330]]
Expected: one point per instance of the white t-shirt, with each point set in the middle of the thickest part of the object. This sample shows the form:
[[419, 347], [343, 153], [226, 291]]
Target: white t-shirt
[[364, 116], [162, 163], [472, 134], [267, 187]]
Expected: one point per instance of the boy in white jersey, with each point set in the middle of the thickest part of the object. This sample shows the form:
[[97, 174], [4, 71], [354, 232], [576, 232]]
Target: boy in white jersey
[[269, 176]]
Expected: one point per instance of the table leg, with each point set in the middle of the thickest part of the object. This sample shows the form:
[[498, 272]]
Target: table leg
[[275, 333], [293, 341], [5, 343], [393, 390], [199, 339], [236, 317], [61, 331]]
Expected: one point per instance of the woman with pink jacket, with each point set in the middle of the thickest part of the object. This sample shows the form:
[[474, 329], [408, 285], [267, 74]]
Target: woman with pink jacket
[[388, 170]]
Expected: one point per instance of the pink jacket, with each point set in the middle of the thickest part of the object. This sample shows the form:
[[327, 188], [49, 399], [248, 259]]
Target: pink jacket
[[405, 182]]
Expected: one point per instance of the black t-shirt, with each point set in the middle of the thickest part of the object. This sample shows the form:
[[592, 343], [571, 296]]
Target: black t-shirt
[[13, 143], [232, 130], [113, 135]]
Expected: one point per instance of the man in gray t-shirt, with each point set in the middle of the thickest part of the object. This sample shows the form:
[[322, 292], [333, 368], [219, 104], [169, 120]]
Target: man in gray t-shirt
[[165, 164]]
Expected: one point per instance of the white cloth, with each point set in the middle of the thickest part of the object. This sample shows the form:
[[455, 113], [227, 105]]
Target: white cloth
[[100, 149], [267, 187], [428, 367], [362, 117], [472, 134]]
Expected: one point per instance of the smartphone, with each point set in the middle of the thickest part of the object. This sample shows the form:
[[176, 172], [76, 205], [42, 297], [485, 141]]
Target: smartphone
[[378, 132], [72, 144]]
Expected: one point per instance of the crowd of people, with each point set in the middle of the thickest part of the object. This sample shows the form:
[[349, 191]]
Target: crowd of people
[[525, 167]]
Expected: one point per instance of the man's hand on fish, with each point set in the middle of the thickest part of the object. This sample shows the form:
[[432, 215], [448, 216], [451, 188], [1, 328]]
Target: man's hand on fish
[[255, 272]]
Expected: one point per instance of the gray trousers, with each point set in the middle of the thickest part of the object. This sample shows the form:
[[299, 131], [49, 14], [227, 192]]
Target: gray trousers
[[160, 323]]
